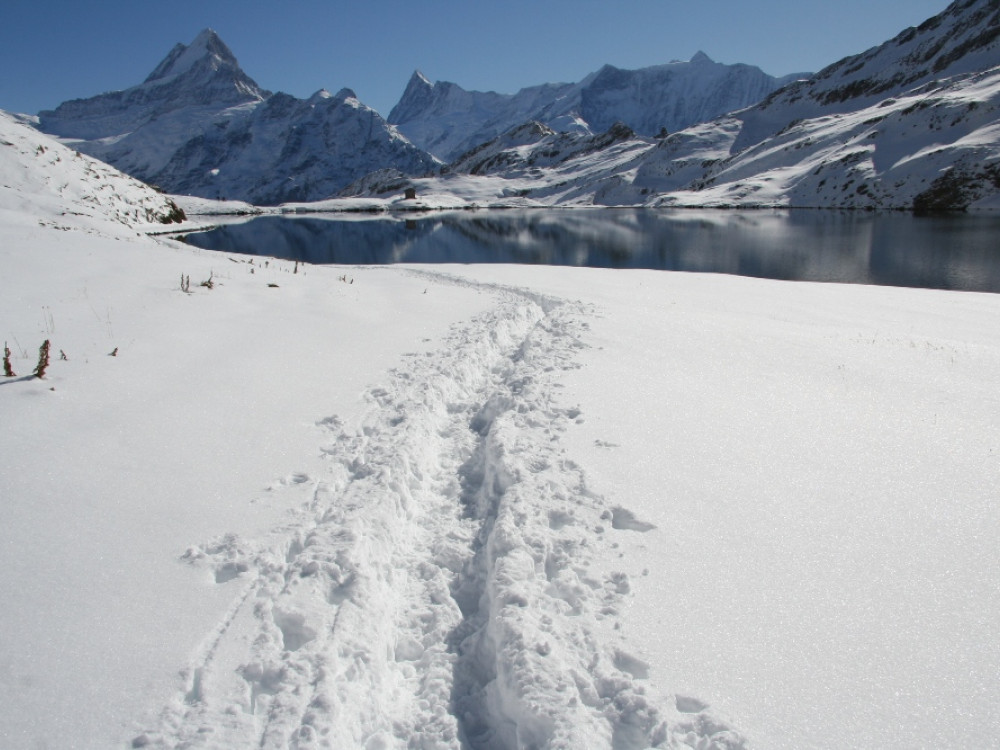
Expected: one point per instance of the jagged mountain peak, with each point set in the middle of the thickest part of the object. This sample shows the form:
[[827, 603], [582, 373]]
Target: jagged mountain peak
[[419, 80], [447, 120], [206, 49], [202, 74]]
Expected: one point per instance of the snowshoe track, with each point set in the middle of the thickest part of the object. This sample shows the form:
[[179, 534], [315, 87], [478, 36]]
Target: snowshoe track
[[439, 588]]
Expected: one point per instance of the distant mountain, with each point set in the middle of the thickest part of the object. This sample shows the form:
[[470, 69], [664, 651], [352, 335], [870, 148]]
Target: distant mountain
[[911, 124], [447, 120], [199, 125], [199, 78]]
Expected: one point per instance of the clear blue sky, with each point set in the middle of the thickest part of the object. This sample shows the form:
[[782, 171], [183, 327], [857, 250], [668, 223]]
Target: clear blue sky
[[53, 50]]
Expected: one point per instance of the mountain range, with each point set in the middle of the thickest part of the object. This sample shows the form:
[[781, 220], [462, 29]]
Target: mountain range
[[909, 124], [447, 120], [198, 125]]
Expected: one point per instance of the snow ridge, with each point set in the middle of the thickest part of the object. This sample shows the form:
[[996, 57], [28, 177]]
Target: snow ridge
[[442, 586]]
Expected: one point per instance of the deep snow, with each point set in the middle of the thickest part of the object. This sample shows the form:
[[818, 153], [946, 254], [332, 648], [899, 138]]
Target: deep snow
[[487, 507]]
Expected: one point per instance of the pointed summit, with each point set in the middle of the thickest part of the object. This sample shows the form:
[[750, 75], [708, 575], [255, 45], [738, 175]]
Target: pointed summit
[[415, 99], [701, 57], [207, 49], [203, 73], [206, 65]]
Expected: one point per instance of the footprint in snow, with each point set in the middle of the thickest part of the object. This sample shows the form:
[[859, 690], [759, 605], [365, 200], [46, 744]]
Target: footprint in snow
[[688, 705], [625, 520], [289, 481]]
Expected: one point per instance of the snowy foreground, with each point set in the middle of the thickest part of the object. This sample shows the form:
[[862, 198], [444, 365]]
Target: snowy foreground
[[490, 507]]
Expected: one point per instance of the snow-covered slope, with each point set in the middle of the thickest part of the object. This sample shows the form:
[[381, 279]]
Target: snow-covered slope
[[913, 123], [961, 40], [447, 120], [463, 507], [199, 125], [44, 182]]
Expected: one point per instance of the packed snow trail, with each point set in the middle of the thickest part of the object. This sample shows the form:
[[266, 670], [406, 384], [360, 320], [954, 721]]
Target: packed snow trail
[[440, 587]]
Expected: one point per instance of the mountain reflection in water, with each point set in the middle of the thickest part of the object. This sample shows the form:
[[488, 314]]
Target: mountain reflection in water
[[945, 252]]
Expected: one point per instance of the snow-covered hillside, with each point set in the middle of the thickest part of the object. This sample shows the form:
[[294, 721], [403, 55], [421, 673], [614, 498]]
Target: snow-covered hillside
[[913, 123], [446, 120], [199, 125], [43, 182]]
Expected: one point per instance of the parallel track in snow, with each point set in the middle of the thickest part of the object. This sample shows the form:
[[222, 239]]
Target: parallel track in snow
[[439, 589]]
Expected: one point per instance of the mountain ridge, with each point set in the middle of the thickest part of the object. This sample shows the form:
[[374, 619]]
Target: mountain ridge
[[199, 125], [911, 124], [447, 120]]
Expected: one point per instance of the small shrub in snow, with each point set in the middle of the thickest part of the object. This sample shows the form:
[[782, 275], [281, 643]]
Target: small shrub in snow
[[8, 371], [175, 214], [43, 359]]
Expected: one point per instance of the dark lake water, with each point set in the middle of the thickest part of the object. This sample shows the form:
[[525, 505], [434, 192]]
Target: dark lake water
[[941, 252]]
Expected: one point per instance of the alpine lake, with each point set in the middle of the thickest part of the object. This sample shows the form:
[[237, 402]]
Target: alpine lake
[[955, 252]]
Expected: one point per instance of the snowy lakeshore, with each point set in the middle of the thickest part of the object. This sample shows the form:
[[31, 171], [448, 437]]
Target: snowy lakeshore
[[480, 506]]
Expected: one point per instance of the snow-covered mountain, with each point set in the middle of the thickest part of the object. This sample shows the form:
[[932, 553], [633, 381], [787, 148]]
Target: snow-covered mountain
[[911, 124], [201, 77], [289, 149], [40, 179], [199, 125], [447, 120]]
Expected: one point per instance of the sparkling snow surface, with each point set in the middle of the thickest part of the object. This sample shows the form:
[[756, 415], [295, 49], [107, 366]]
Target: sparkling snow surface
[[489, 507]]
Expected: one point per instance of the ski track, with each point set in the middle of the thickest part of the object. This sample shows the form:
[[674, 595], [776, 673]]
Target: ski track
[[438, 589]]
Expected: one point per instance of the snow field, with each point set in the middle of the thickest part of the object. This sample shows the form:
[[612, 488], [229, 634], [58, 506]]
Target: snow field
[[437, 589], [820, 462]]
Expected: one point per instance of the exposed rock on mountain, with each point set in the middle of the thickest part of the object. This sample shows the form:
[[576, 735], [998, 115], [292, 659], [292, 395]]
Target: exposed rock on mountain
[[199, 125]]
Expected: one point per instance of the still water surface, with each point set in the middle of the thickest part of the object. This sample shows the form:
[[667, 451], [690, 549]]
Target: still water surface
[[944, 252]]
